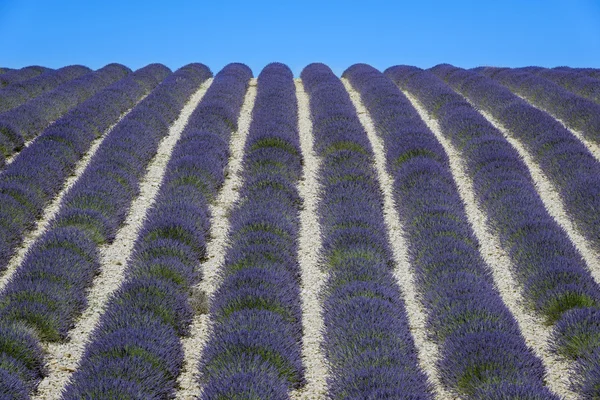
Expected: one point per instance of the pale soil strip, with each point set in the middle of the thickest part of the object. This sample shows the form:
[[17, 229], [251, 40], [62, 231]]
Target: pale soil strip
[[594, 148], [309, 247], [63, 358], [427, 351], [551, 199], [51, 210], [193, 345], [533, 329]]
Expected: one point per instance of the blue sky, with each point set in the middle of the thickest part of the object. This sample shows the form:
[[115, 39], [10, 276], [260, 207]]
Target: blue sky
[[339, 33]]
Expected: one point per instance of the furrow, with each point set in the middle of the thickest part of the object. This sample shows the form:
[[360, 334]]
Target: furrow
[[49, 291], [39, 172], [535, 332], [367, 338], [28, 120], [310, 244], [427, 350], [594, 148], [52, 209], [551, 199], [551, 96], [63, 358], [194, 344]]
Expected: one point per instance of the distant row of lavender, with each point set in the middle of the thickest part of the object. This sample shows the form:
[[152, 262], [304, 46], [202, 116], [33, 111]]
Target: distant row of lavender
[[12, 76], [27, 121], [592, 72], [18, 93], [48, 290], [572, 79], [367, 340], [135, 351], [554, 279], [255, 344], [575, 111], [577, 335], [482, 353], [563, 158], [39, 171]]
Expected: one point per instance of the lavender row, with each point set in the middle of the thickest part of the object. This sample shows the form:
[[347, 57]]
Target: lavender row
[[4, 70], [575, 111], [592, 72], [20, 75], [564, 159], [572, 80], [47, 292], [466, 315], [552, 275], [39, 171], [135, 351], [28, 120], [18, 93], [254, 350], [367, 340]]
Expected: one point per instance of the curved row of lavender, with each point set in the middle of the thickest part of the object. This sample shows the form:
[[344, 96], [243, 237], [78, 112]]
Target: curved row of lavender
[[563, 158], [38, 173], [577, 175], [48, 290], [571, 79], [466, 315], [12, 76], [18, 93], [367, 340], [135, 351], [27, 121], [254, 349], [577, 336], [554, 279], [575, 111], [482, 352], [591, 72]]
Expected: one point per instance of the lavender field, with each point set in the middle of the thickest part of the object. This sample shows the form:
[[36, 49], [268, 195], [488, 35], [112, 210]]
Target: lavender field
[[405, 234]]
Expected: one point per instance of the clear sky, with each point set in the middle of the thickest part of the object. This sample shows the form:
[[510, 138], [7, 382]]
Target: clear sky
[[339, 33]]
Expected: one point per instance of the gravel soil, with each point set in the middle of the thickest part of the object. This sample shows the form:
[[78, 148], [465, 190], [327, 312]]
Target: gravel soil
[[427, 351], [63, 358], [532, 327], [193, 345], [313, 278], [552, 201]]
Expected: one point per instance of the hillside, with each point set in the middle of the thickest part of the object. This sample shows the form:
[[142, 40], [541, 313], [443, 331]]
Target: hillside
[[406, 234]]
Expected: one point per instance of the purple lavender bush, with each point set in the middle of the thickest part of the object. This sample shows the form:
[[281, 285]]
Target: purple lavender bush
[[367, 341], [565, 160], [573, 80], [553, 277], [48, 290], [164, 265], [592, 72], [39, 171], [19, 75], [21, 361], [18, 93], [462, 303], [575, 111], [27, 121], [257, 327]]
